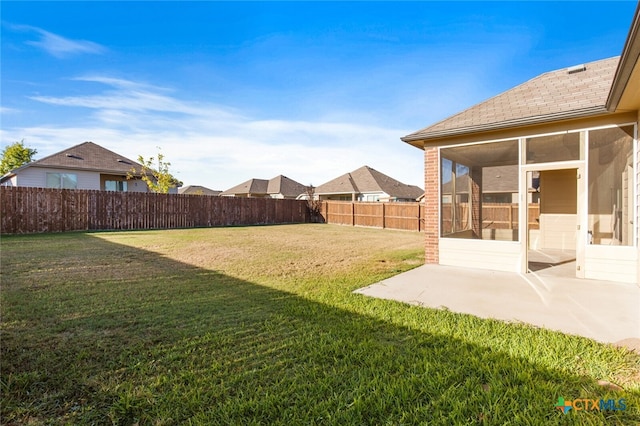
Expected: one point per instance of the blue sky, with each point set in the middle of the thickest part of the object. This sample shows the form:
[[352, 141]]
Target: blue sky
[[236, 90]]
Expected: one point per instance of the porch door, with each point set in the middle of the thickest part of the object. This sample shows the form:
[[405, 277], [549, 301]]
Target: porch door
[[555, 233]]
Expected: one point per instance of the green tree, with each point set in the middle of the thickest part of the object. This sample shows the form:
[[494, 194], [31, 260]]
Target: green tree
[[155, 173], [16, 155]]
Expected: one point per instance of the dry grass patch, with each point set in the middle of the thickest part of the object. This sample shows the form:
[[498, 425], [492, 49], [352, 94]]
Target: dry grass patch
[[278, 251]]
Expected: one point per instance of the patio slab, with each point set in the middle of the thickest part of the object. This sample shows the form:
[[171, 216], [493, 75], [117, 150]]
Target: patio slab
[[608, 312]]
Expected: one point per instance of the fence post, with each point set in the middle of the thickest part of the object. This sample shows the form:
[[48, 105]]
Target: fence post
[[353, 213], [326, 212], [510, 216], [384, 217]]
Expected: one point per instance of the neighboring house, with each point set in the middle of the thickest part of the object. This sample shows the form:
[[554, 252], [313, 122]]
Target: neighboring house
[[197, 190], [367, 184], [576, 129], [499, 185], [84, 166], [278, 187]]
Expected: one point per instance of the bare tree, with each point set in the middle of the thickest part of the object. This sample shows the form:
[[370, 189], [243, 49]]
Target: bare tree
[[314, 205]]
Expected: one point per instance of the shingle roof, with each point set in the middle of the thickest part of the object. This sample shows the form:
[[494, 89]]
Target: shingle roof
[[285, 186], [365, 179], [572, 92], [252, 186], [341, 185], [88, 156], [277, 185], [495, 179], [197, 190]]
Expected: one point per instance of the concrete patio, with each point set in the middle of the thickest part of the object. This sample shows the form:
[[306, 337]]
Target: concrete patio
[[608, 312]]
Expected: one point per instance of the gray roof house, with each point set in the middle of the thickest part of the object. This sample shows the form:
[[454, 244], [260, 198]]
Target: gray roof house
[[277, 187], [499, 185], [576, 129], [198, 190], [367, 184], [84, 166]]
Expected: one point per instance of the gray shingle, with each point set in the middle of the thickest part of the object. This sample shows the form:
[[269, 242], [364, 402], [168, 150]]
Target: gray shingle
[[89, 156], [277, 185], [365, 179], [550, 96], [252, 186], [285, 186], [198, 190]]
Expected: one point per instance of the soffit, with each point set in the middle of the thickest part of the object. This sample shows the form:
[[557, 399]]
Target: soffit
[[630, 99]]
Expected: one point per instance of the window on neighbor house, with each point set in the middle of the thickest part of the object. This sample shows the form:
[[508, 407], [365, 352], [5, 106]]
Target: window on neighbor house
[[62, 180], [115, 185], [611, 192], [497, 198], [340, 198], [470, 175]]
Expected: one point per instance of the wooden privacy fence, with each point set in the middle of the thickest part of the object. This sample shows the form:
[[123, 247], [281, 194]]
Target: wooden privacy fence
[[33, 210], [410, 216], [405, 216], [494, 216]]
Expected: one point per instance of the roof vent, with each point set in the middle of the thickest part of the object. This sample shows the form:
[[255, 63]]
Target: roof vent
[[576, 68], [77, 157], [123, 161]]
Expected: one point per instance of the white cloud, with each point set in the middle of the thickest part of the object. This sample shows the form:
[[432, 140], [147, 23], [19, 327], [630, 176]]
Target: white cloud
[[58, 46], [7, 110], [127, 95], [218, 147]]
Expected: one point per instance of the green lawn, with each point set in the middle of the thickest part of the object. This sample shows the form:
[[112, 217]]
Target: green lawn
[[259, 325]]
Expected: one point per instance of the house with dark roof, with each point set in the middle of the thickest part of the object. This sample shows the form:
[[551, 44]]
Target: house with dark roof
[[198, 190], [572, 131], [500, 185], [278, 187], [84, 166], [367, 184]]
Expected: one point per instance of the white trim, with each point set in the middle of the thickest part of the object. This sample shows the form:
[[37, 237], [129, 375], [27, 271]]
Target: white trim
[[582, 129], [523, 200], [635, 187], [478, 143], [535, 135], [558, 165], [542, 135], [582, 214]]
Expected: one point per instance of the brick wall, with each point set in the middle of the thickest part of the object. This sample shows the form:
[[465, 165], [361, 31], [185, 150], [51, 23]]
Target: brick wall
[[432, 215]]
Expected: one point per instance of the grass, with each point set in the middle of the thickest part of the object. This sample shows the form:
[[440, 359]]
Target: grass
[[259, 325]]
